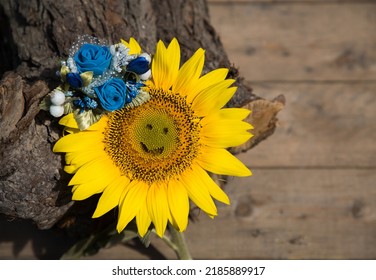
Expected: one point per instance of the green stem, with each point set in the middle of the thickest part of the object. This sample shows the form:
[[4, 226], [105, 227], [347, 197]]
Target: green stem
[[178, 244]]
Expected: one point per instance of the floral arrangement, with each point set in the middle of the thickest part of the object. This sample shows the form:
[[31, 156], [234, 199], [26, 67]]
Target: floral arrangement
[[98, 79], [145, 132]]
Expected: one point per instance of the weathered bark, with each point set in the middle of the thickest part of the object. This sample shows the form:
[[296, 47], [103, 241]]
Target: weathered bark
[[35, 34]]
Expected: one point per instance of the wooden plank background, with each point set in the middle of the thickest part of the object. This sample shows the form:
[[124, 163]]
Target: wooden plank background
[[313, 192]]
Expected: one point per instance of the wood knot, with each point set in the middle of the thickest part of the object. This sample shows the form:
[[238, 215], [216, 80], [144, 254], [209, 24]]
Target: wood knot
[[357, 209], [244, 206]]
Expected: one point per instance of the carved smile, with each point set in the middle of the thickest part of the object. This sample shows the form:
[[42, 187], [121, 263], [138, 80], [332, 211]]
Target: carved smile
[[156, 151]]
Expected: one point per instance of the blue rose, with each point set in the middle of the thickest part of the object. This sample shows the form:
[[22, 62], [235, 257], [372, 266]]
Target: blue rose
[[138, 65], [112, 94], [93, 58], [75, 80]]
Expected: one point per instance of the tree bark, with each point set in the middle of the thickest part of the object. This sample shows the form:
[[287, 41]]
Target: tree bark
[[35, 35]]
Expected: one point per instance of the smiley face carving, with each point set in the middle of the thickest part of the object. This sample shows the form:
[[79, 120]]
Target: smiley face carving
[[157, 136]]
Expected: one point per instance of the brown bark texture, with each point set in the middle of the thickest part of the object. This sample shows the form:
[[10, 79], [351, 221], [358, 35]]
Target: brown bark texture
[[35, 34]]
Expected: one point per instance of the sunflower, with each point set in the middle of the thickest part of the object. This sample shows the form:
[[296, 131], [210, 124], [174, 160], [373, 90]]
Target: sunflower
[[151, 160]]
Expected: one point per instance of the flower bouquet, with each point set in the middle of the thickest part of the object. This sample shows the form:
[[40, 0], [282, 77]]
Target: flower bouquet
[[144, 132]]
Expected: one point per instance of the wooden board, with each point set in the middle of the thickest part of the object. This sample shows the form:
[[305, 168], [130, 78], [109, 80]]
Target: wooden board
[[322, 125], [293, 214], [317, 42], [284, 214]]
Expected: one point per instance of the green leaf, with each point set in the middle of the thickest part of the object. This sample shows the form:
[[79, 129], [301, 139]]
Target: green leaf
[[146, 239], [68, 106], [86, 118], [140, 98], [45, 103]]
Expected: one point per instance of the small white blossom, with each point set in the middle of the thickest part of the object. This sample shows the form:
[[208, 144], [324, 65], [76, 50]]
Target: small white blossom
[[57, 97], [56, 111], [146, 56], [146, 75]]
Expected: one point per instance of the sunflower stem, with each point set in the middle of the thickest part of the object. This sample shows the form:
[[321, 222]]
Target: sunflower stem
[[178, 244]]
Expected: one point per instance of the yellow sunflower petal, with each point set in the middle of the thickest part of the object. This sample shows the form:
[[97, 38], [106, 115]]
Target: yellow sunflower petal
[[69, 130], [221, 161], [158, 207], [78, 141], [159, 66], [85, 190], [143, 220], [213, 98], [209, 79], [111, 196], [198, 191], [173, 56], [225, 133], [102, 168], [79, 159], [227, 141], [68, 121], [179, 204], [165, 65], [226, 114], [134, 47], [71, 125], [131, 202], [214, 190], [189, 73], [70, 168]]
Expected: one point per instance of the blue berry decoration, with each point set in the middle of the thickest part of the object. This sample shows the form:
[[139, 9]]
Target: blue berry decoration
[[74, 80], [139, 65]]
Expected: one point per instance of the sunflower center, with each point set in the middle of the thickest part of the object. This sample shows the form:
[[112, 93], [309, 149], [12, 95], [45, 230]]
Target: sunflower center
[[156, 133], [155, 141]]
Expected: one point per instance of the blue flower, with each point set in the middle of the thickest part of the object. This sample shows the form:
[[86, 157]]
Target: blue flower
[[112, 94], [139, 65], [93, 58], [75, 80]]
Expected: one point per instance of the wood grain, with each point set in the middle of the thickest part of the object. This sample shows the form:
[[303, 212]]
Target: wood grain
[[318, 42], [322, 125], [285, 214], [294, 214]]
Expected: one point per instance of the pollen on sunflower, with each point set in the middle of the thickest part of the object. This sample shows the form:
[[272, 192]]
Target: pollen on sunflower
[[150, 160]]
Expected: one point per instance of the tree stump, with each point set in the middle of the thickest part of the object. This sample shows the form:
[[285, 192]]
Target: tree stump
[[35, 35]]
